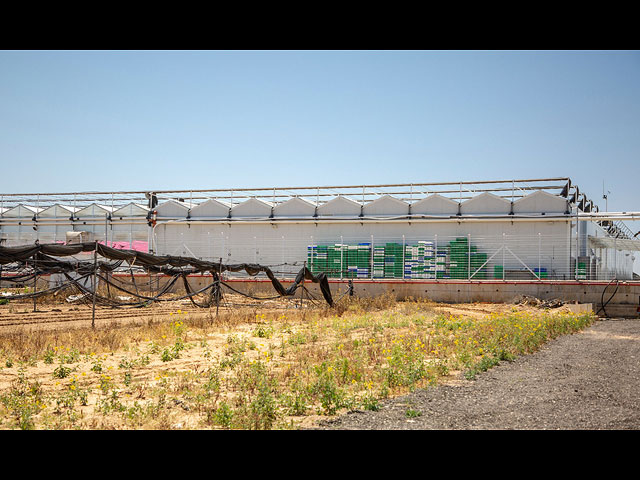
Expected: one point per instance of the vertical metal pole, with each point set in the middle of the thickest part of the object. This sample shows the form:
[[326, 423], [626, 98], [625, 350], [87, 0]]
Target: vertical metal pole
[[36, 217], [435, 257], [615, 256], [219, 286], [341, 255], [35, 281], [95, 289], [403, 246], [503, 248], [371, 272], [539, 245], [569, 242], [304, 271], [468, 256], [577, 251]]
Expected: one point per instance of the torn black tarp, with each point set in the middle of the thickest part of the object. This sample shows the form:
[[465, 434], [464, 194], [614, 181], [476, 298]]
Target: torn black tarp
[[168, 264]]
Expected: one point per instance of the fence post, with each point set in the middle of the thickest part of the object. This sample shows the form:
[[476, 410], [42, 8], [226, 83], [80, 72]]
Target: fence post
[[304, 271], [311, 259], [94, 285], [504, 236], [575, 266], [403, 247], [435, 253], [371, 271], [341, 255], [218, 291], [469, 256], [35, 281], [539, 265]]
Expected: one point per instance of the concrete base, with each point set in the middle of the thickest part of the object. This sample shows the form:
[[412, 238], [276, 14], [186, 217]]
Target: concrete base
[[624, 303]]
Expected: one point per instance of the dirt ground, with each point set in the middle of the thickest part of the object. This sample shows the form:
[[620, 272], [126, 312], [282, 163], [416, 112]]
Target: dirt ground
[[586, 381], [52, 314], [589, 380]]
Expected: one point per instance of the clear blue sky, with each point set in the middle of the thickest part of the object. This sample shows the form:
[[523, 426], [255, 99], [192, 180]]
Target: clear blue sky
[[136, 120]]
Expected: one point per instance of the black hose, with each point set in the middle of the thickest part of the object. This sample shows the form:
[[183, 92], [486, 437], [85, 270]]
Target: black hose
[[603, 304]]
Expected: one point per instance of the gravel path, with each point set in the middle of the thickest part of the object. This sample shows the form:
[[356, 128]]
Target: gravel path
[[589, 380]]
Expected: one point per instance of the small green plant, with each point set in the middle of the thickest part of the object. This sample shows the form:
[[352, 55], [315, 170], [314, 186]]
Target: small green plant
[[371, 403], [62, 372], [223, 415], [49, 356], [167, 355], [411, 413], [263, 331], [482, 366], [97, 365]]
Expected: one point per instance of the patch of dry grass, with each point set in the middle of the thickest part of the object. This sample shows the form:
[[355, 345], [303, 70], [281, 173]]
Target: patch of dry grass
[[252, 368]]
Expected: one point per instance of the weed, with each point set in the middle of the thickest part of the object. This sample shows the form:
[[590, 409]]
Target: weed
[[411, 413], [62, 372], [223, 415]]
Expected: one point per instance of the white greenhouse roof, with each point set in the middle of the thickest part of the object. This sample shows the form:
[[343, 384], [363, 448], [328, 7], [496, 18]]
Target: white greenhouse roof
[[295, 207], [540, 202], [57, 211], [94, 210], [485, 204], [252, 208], [211, 208], [172, 208], [21, 211], [385, 205], [131, 210], [434, 204], [340, 206]]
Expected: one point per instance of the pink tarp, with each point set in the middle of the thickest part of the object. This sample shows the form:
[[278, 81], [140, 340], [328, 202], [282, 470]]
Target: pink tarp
[[135, 245]]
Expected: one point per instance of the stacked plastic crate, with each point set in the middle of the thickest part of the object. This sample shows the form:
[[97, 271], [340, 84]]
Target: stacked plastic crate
[[378, 262], [458, 258], [321, 258], [478, 267], [393, 260], [413, 261], [442, 265], [429, 259], [334, 260], [363, 260], [419, 260]]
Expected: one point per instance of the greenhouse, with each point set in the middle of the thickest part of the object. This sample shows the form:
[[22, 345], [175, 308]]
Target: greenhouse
[[531, 229]]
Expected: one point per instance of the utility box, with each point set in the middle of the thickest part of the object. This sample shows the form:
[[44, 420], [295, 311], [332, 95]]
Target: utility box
[[79, 237]]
